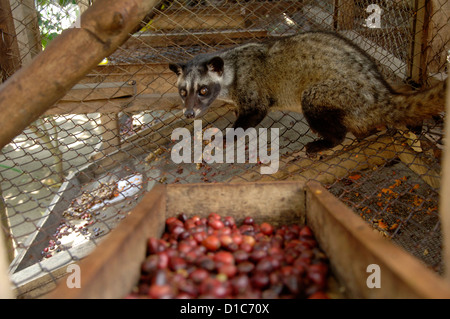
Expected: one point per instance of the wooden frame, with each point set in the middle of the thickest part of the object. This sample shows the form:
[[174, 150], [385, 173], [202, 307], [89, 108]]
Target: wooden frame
[[112, 270]]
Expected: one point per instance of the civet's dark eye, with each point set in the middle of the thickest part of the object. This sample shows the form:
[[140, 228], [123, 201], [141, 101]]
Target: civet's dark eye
[[183, 92], [203, 91]]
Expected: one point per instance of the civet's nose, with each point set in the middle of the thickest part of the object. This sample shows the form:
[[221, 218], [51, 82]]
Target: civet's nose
[[190, 114]]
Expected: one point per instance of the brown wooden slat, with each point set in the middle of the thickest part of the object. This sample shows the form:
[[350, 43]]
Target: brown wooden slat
[[222, 37], [100, 91]]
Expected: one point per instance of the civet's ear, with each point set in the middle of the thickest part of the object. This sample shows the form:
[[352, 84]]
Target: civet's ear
[[215, 65], [176, 68]]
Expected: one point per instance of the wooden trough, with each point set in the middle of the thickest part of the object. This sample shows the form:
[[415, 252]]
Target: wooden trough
[[113, 269]]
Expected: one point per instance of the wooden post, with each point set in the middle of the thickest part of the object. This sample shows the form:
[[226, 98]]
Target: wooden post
[[417, 60], [439, 37], [444, 208], [110, 134], [32, 90], [344, 14], [9, 50], [27, 29]]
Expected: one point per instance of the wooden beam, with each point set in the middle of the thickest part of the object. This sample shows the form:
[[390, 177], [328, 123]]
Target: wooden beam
[[344, 14], [100, 91], [417, 59], [32, 90], [196, 19], [251, 198], [444, 206], [211, 38], [143, 102]]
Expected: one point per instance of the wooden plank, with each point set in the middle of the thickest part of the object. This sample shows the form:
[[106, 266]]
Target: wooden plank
[[154, 82], [256, 13], [141, 102], [100, 91], [32, 282], [197, 19], [210, 38], [444, 206], [276, 202], [352, 245]]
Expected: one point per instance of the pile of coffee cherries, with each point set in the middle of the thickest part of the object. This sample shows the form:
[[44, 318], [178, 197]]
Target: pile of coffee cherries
[[212, 257]]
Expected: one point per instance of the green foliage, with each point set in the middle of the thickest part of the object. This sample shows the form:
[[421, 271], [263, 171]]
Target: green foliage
[[51, 15], [61, 3]]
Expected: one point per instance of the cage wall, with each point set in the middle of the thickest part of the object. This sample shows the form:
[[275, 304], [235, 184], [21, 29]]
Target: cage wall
[[74, 174]]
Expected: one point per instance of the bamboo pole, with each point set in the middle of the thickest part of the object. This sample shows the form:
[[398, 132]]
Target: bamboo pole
[[444, 209], [33, 89], [418, 59]]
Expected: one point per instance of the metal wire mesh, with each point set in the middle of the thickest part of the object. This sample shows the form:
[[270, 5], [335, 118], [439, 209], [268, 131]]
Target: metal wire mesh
[[73, 175]]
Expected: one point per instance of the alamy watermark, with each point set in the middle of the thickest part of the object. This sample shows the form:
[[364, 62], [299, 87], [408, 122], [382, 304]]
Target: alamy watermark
[[258, 147], [374, 279], [74, 279], [373, 21]]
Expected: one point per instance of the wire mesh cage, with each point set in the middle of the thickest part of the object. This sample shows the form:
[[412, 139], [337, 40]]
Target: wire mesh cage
[[70, 177]]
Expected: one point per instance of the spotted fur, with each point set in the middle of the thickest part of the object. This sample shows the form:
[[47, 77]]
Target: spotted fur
[[333, 82]]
